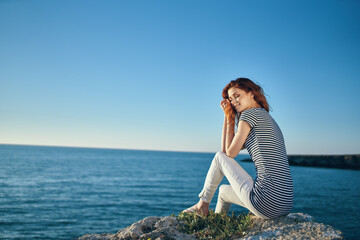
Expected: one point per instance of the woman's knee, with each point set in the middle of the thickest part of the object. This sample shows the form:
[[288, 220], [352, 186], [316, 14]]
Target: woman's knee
[[221, 192], [220, 154], [216, 158], [222, 158], [223, 189]]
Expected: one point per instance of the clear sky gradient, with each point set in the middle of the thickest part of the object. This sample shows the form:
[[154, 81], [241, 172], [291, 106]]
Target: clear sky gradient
[[149, 74]]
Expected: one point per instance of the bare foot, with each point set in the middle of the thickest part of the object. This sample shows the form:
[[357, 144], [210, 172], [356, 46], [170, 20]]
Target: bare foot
[[201, 208]]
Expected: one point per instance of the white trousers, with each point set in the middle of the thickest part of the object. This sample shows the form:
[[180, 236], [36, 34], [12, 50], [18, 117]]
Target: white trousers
[[238, 192]]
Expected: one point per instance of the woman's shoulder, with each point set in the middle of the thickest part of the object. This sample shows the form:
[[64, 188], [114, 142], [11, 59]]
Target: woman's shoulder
[[254, 111], [252, 115]]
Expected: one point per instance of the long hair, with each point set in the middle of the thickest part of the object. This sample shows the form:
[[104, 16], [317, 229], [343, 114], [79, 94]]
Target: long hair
[[248, 86]]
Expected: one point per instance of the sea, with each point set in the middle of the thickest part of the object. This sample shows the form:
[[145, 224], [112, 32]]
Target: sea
[[66, 192]]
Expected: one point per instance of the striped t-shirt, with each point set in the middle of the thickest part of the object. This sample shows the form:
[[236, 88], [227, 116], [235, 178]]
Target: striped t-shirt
[[272, 194]]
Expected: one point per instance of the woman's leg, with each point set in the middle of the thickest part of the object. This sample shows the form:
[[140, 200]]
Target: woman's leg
[[226, 197], [241, 182], [218, 167], [222, 166]]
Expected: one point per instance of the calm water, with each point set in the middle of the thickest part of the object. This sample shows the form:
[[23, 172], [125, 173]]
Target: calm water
[[63, 193]]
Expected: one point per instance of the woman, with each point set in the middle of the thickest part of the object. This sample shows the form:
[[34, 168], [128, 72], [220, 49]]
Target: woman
[[271, 194]]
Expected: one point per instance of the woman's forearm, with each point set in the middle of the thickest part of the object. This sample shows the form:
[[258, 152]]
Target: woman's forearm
[[227, 135], [223, 136]]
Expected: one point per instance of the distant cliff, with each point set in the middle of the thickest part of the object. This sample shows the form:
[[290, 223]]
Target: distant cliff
[[326, 161]]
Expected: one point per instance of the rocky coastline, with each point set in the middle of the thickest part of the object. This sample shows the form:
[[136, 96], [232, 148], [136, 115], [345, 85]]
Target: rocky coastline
[[325, 161], [293, 226]]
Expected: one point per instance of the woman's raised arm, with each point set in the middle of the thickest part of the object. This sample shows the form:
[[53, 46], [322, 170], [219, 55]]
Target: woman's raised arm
[[227, 132], [234, 146], [232, 143]]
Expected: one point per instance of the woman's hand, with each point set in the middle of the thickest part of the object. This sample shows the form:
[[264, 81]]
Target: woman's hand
[[224, 104]]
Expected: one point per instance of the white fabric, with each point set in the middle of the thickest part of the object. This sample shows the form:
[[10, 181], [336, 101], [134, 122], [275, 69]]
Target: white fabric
[[238, 192]]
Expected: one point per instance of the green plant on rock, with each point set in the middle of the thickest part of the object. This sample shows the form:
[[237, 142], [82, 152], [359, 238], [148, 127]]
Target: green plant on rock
[[214, 226]]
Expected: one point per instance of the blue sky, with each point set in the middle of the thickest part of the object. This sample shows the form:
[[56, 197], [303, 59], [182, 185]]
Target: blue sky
[[149, 74]]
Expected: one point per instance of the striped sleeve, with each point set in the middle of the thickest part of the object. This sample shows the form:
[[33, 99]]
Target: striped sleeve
[[249, 116]]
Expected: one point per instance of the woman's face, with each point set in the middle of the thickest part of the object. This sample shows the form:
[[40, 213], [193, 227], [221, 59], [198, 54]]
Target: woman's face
[[241, 100]]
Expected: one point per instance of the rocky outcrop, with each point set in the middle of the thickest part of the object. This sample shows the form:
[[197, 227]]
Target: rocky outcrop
[[293, 226], [147, 228], [327, 161]]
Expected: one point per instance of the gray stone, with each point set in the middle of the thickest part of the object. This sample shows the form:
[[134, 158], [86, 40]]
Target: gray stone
[[293, 226]]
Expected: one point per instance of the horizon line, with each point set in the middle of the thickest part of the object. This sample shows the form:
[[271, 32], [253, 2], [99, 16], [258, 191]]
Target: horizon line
[[110, 148], [155, 150]]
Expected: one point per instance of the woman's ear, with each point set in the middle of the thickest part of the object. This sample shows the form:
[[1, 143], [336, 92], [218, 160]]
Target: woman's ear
[[251, 94]]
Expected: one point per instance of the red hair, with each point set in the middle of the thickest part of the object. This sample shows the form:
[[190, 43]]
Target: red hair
[[248, 86]]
